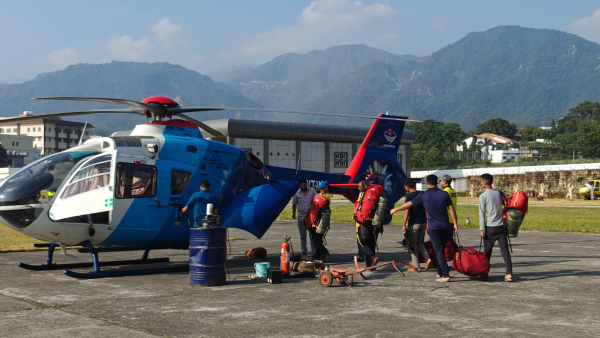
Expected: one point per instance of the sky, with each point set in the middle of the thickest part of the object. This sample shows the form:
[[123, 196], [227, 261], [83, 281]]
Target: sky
[[45, 36]]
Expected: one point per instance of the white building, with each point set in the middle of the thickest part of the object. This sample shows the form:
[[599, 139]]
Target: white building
[[50, 135], [499, 156], [497, 141], [19, 149]]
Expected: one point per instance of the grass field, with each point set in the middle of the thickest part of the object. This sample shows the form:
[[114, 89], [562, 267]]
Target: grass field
[[538, 219]]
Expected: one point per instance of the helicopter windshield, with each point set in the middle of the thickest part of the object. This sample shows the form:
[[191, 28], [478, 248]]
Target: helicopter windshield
[[37, 182]]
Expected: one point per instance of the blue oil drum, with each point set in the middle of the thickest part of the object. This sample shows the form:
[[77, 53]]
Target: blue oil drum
[[208, 250]]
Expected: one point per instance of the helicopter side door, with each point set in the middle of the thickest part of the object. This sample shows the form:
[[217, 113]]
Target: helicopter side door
[[88, 191]]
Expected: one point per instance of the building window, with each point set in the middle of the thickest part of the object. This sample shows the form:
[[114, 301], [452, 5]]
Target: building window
[[39, 128], [87, 133], [399, 157], [49, 129], [39, 138], [340, 159], [179, 181], [13, 143], [135, 180], [28, 129], [17, 143], [14, 130], [57, 130], [1, 130]]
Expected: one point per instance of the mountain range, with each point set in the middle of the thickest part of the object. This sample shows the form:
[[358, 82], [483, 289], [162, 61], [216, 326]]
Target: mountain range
[[524, 75]]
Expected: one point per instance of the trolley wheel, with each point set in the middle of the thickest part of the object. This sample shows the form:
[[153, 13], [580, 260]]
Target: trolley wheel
[[326, 278]]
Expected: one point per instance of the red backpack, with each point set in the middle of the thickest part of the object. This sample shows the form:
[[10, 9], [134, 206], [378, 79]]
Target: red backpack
[[515, 210], [518, 201], [365, 207], [449, 251], [318, 203]]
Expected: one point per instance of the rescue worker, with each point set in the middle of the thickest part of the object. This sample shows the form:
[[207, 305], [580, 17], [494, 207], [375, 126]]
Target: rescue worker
[[445, 183], [365, 232], [322, 252], [51, 194], [199, 201], [302, 201]]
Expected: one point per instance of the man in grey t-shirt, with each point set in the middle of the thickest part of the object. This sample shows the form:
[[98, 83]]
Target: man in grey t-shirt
[[491, 223], [302, 200]]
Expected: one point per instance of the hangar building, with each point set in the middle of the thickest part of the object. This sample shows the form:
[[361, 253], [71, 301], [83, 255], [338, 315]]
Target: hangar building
[[326, 148]]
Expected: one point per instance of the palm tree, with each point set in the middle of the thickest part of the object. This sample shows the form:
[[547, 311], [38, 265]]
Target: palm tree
[[486, 143]]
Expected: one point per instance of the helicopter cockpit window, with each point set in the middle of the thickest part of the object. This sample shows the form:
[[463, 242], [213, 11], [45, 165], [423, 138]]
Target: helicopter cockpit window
[[179, 181], [135, 180], [93, 174]]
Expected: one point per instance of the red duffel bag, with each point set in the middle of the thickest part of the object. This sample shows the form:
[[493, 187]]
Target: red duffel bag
[[470, 262], [449, 251]]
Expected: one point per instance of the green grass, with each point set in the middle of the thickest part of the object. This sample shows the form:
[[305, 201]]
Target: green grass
[[538, 218], [558, 219]]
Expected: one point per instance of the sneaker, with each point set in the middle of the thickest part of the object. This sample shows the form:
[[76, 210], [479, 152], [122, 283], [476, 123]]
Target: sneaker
[[506, 279]]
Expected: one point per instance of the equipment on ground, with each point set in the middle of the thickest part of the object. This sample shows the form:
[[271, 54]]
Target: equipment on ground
[[261, 269], [124, 192], [341, 276], [208, 252], [470, 262], [448, 251], [256, 253], [274, 276], [285, 255]]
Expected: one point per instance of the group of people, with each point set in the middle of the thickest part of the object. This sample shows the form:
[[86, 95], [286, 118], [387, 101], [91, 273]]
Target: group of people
[[432, 211]]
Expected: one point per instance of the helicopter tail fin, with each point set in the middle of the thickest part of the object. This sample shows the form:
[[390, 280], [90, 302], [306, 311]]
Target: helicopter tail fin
[[377, 159]]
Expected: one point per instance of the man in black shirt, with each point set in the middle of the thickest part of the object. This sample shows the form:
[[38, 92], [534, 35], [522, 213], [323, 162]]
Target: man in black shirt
[[416, 219]]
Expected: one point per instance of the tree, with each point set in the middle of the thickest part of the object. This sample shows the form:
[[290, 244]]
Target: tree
[[497, 126], [589, 138], [584, 111], [486, 143], [527, 133]]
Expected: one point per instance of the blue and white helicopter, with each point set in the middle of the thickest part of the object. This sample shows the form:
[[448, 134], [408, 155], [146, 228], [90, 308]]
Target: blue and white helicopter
[[123, 193]]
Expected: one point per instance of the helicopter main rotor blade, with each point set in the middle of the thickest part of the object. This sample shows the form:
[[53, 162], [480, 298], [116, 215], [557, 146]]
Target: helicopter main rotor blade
[[154, 109], [202, 125], [137, 111], [175, 111]]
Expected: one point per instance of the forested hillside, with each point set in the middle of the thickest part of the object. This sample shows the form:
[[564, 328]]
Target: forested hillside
[[123, 80]]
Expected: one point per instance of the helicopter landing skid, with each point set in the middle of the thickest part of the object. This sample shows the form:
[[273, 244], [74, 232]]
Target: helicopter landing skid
[[96, 264]]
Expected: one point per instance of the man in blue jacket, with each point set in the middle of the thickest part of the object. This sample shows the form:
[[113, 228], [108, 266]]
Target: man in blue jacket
[[437, 203]]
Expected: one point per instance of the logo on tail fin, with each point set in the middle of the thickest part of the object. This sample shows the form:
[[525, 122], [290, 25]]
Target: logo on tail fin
[[390, 135]]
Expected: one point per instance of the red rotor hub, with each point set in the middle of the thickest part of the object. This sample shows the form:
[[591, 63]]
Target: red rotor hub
[[160, 100]]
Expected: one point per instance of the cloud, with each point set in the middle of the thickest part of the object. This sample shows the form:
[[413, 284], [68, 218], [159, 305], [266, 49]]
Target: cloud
[[322, 24], [587, 27], [197, 58], [125, 46], [168, 34], [63, 57]]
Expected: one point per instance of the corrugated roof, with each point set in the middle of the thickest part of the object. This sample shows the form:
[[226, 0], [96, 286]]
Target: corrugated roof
[[295, 131]]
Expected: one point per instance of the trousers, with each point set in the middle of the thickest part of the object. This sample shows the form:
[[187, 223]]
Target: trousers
[[302, 229], [318, 241], [493, 234], [367, 243], [417, 234], [439, 237]]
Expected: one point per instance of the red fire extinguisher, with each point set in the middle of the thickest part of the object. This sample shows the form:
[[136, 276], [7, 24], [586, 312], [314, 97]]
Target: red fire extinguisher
[[285, 255]]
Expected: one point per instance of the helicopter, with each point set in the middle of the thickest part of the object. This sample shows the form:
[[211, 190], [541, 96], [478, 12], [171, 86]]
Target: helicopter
[[124, 193]]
